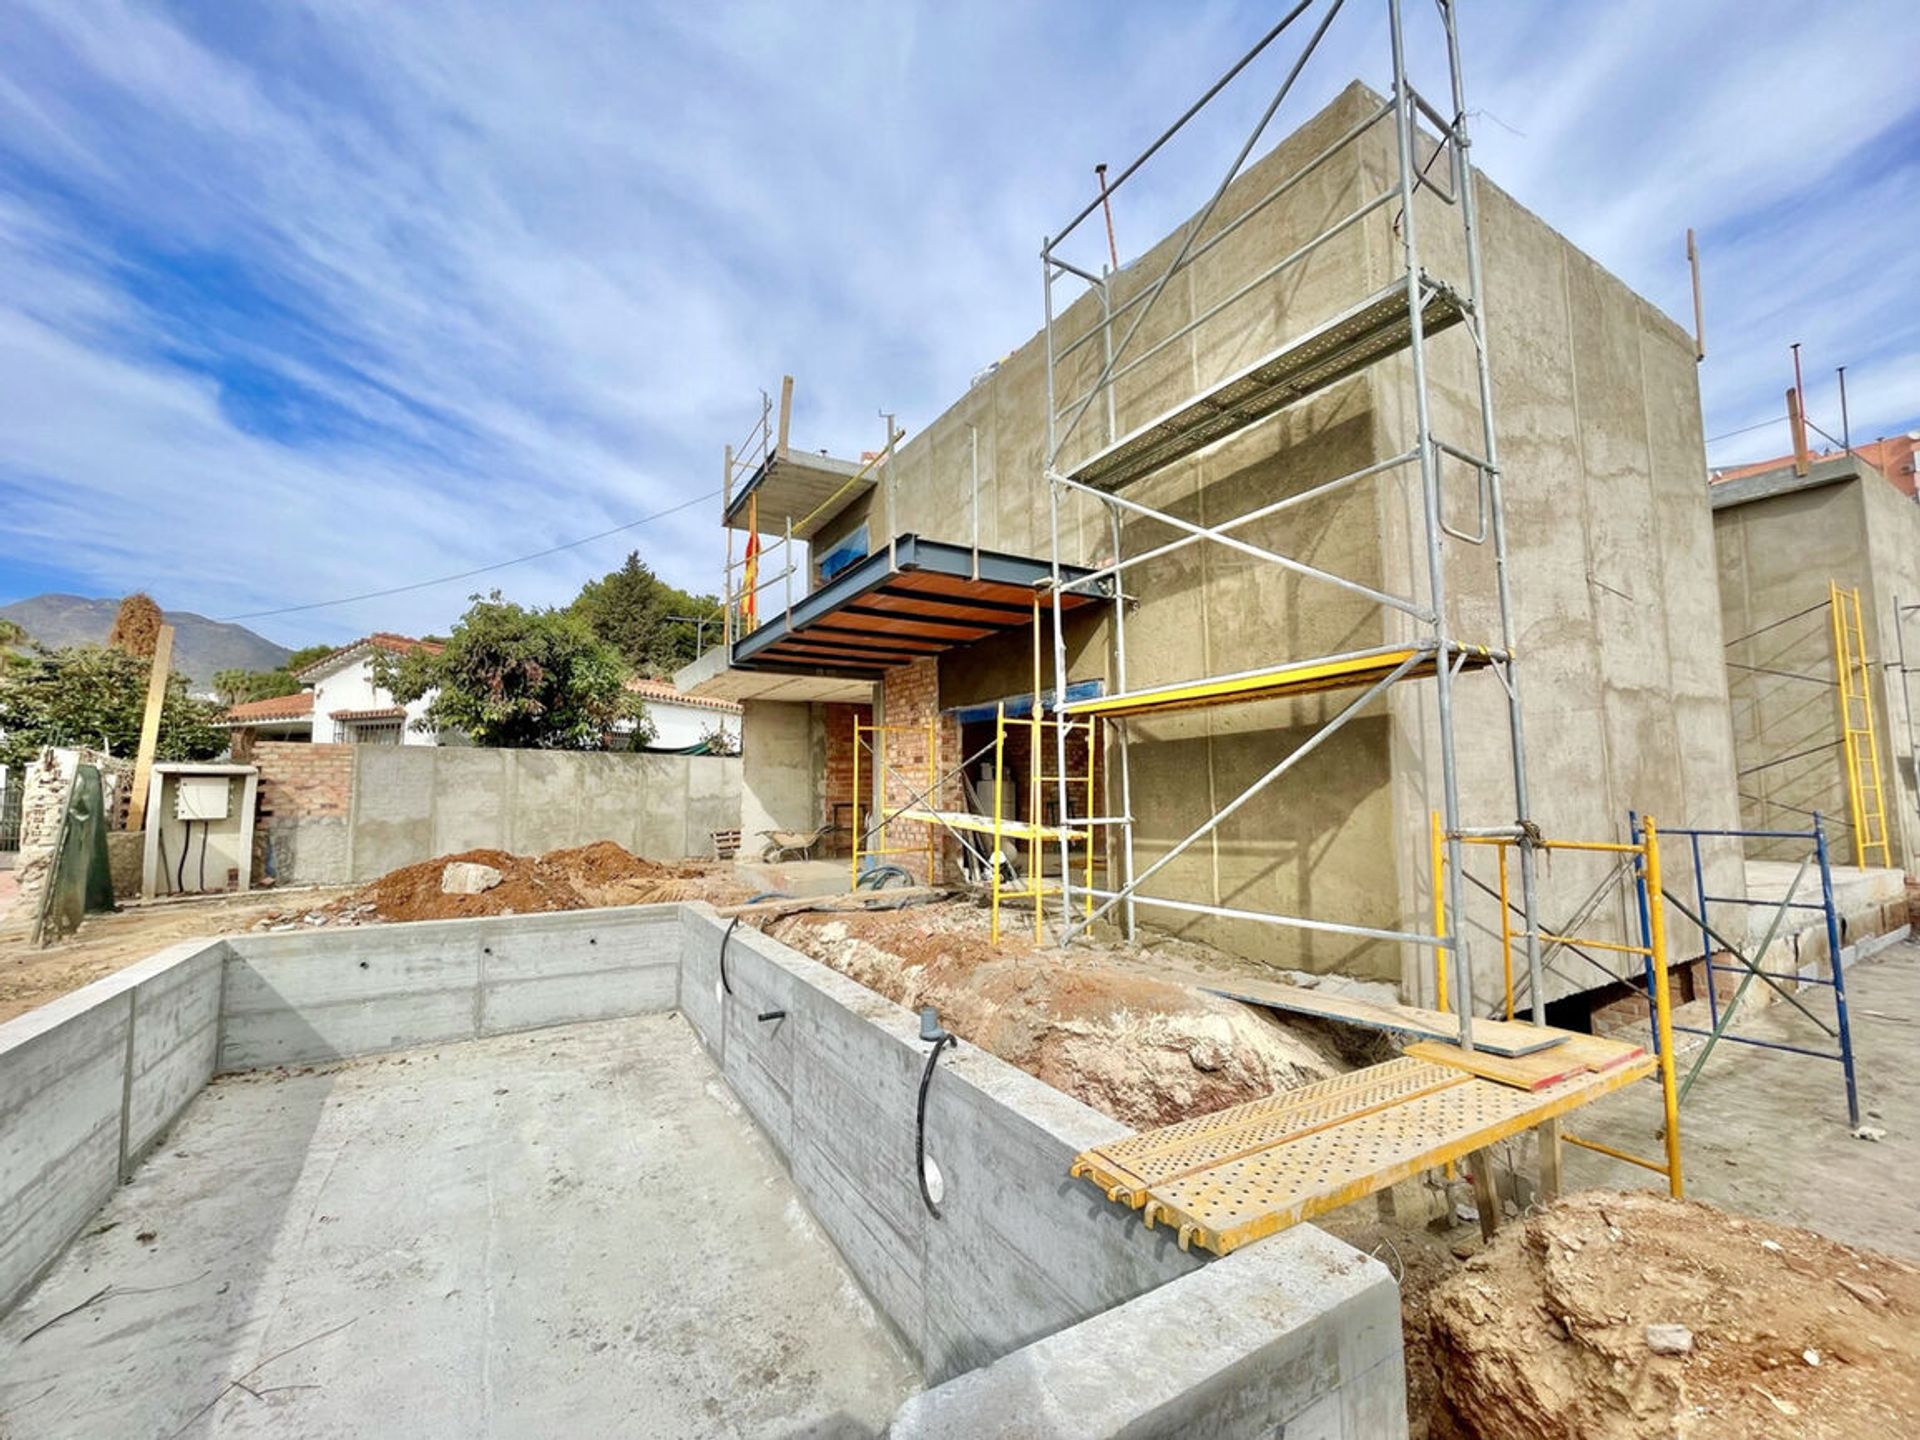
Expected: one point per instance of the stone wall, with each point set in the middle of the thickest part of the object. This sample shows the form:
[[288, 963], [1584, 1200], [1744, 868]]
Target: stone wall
[[46, 784]]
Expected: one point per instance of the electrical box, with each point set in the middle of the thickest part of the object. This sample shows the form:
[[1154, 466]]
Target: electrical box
[[202, 797]]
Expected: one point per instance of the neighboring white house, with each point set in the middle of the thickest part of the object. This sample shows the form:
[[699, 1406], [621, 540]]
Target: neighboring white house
[[348, 708], [681, 721], [341, 705]]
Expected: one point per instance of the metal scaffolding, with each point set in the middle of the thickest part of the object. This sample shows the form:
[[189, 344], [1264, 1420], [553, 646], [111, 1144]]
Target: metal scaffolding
[[1398, 320]]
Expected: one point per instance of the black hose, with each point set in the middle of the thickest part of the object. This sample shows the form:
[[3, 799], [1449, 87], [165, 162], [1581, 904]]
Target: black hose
[[180, 875], [205, 826], [877, 877], [162, 837], [920, 1123], [726, 984]]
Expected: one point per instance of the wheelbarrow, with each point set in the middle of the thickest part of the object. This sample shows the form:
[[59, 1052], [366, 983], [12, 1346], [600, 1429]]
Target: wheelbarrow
[[791, 844]]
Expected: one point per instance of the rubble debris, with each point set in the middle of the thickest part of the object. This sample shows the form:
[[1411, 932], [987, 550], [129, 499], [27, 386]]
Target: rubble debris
[[1669, 1339], [496, 882], [1135, 1045], [463, 877], [1534, 1337]]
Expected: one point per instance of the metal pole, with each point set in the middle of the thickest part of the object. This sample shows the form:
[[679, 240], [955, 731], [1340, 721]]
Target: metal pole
[[1846, 432], [1121, 727], [1516, 721], [1430, 496], [1839, 972], [1113, 250], [1706, 939], [1662, 1007], [853, 879]]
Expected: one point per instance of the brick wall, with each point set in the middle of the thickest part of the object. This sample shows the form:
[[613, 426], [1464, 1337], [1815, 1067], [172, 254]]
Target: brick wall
[[305, 799], [910, 695], [299, 781], [836, 785]]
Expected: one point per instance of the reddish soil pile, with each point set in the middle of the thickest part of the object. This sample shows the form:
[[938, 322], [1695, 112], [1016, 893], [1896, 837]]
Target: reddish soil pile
[[1544, 1334], [592, 875], [1145, 1050]]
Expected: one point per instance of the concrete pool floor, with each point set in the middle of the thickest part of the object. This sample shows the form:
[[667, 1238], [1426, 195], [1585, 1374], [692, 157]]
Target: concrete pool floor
[[575, 1231]]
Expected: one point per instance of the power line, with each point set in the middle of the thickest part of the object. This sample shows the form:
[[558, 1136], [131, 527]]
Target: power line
[[1744, 429], [482, 569]]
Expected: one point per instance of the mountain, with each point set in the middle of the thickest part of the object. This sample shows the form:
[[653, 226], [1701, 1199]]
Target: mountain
[[200, 646]]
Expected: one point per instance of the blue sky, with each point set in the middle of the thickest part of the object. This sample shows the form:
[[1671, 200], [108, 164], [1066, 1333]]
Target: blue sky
[[303, 301]]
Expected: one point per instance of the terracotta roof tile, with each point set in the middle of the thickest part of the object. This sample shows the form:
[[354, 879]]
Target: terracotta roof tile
[[278, 707], [667, 694], [379, 640]]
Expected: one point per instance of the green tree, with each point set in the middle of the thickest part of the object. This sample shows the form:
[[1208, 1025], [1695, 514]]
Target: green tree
[[237, 686], [633, 610], [519, 678], [94, 696]]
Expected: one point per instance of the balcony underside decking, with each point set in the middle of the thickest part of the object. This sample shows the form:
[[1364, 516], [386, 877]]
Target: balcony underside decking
[[913, 599]]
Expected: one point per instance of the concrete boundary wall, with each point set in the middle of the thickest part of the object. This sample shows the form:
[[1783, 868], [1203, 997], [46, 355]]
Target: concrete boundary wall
[[1065, 1299], [306, 997], [412, 802], [88, 1084], [337, 813], [1033, 1305]]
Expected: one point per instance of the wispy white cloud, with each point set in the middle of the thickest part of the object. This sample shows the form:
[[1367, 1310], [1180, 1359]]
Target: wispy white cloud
[[372, 292]]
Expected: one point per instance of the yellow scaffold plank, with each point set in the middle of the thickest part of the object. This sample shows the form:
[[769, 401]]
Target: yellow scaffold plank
[[1248, 1194], [1128, 1169], [983, 825], [1577, 1055], [1278, 682], [1502, 1037]]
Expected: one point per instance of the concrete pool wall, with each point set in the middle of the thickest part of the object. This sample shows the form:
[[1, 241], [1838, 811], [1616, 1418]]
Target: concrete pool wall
[[1029, 1301]]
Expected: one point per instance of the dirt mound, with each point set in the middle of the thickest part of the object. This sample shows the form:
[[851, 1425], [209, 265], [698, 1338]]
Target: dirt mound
[[1144, 1050], [579, 879], [1545, 1333]]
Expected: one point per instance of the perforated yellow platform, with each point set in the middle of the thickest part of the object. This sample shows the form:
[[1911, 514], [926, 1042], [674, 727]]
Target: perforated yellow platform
[[1244, 1173]]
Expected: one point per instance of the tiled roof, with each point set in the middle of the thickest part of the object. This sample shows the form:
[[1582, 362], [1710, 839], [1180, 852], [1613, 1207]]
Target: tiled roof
[[666, 694], [278, 707], [384, 712], [380, 640]]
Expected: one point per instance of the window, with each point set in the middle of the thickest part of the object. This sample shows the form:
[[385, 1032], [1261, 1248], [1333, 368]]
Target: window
[[846, 552], [374, 732]]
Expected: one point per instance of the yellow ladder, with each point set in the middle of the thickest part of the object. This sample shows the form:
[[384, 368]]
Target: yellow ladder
[[1860, 733]]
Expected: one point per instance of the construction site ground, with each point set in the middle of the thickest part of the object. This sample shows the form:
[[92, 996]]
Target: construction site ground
[[1765, 1138], [1126, 1029]]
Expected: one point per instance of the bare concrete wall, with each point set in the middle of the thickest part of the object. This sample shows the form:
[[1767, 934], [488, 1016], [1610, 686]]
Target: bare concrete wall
[[407, 803], [414, 802], [1780, 540], [1600, 430], [780, 757]]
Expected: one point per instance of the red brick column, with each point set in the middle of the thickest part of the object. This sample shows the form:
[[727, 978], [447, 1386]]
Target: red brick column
[[837, 782], [910, 695], [299, 781]]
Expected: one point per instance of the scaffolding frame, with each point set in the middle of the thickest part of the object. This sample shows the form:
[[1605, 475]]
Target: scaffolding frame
[[1859, 739], [1399, 319], [1751, 968], [1002, 828], [1859, 728]]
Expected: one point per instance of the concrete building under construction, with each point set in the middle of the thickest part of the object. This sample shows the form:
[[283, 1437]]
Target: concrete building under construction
[[1241, 417]]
